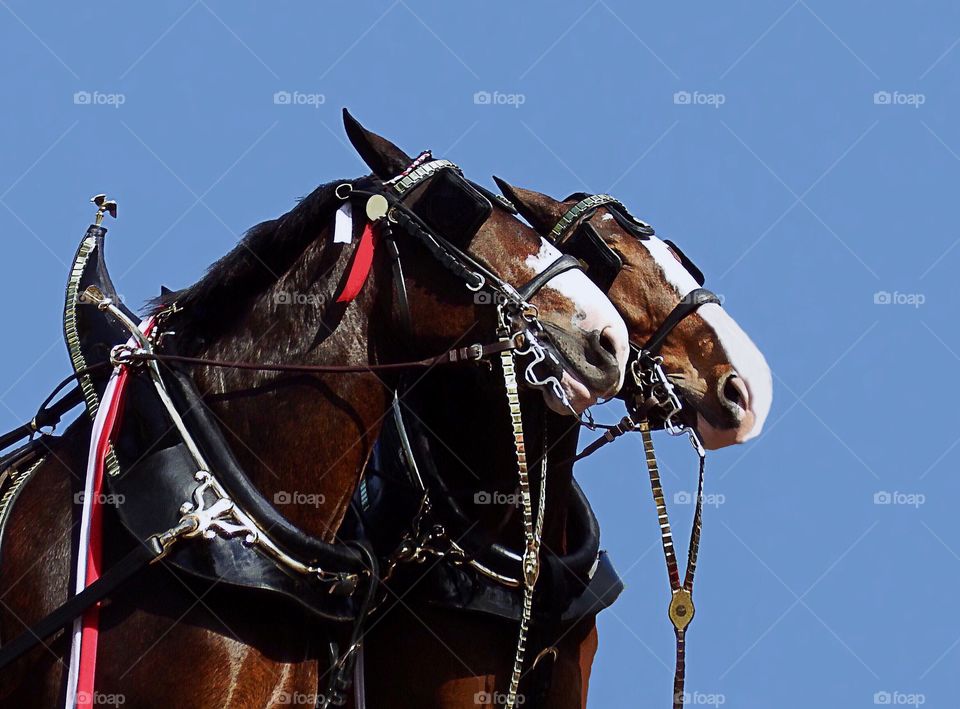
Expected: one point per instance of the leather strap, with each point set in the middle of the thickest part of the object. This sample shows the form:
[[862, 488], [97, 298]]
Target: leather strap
[[565, 263], [51, 414], [470, 353], [687, 306], [141, 556]]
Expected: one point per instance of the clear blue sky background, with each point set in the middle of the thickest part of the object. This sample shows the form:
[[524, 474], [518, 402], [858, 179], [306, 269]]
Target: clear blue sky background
[[801, 197]]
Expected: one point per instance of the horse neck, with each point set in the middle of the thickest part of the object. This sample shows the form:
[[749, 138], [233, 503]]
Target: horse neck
[[303, 440]]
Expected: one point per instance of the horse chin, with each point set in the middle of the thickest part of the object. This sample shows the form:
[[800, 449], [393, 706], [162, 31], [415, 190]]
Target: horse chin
[[713, 437], [578, 395]]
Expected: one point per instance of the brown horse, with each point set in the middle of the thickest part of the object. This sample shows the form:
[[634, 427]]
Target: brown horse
[[171, 640], [422, 654]]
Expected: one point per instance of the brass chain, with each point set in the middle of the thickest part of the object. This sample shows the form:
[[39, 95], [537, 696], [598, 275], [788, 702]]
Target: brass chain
[[681, 609], [532, 528]]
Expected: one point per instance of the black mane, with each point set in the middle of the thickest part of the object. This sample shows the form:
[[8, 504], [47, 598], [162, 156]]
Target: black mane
[[264, 254]]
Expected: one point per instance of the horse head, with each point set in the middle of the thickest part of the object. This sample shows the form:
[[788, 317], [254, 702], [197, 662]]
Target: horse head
[[581, 330], [722, 377]]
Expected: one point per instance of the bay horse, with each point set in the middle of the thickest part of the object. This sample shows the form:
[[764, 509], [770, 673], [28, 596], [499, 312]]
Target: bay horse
[[171, 640], [427, 651]]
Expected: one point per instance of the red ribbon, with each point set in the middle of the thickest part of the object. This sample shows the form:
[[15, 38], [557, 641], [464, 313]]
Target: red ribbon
[[360, 268]]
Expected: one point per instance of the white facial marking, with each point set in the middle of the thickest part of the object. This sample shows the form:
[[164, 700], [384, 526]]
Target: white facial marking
[[744, 356], [593, 310]]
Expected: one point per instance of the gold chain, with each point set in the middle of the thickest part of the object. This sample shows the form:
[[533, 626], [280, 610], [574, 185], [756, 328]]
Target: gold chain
[[532, 529]]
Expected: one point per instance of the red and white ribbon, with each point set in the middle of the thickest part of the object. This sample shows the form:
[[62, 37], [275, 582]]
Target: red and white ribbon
[[83, 647]]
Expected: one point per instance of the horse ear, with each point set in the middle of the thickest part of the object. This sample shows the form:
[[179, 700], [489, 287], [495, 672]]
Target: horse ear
[[541, 211], [383, 157]]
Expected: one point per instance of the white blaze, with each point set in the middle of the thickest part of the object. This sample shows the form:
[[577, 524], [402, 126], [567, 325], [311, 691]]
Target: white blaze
[[743, 355], [593, 311]]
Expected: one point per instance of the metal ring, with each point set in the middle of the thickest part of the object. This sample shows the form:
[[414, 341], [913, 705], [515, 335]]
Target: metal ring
[[481, 284], [346, 194]]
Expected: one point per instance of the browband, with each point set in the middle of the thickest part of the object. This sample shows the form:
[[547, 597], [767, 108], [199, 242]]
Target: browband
[[589, 204]]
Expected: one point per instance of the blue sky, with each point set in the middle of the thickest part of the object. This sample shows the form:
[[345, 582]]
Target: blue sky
[[806, 154]]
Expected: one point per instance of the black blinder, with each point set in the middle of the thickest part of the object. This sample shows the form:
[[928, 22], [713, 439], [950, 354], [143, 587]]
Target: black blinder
[[452, 207], [602, 263], [687, 263]]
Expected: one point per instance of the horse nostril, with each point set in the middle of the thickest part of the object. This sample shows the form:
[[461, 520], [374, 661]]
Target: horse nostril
[[607, 343], [734, 391]]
